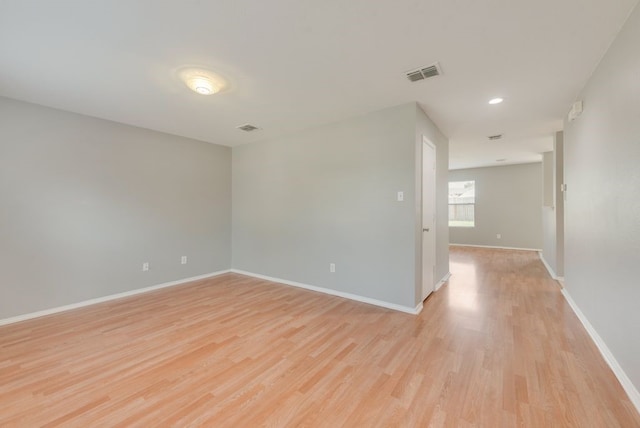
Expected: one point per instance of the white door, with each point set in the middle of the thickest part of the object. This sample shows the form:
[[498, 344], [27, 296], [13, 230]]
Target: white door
[[428, 217]]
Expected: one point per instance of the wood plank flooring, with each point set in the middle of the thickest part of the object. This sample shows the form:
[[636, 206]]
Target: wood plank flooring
[[495, 347]]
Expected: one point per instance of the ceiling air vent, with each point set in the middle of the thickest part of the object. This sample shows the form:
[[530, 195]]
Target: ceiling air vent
[[424, 72], [495, 137], [247, 127]]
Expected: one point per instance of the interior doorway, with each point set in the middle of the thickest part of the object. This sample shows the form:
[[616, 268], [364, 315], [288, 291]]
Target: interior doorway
[[428, 217]]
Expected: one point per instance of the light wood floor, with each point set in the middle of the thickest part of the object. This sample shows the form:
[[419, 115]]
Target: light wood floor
[[496, 346]]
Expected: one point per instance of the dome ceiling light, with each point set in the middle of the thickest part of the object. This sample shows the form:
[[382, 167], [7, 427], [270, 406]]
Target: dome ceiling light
[[201, 81]]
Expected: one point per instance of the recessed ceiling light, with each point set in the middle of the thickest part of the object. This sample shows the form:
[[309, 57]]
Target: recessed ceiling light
[[203, 82], [496, 101]]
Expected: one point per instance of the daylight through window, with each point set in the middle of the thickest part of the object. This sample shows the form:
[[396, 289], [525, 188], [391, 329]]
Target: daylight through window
[[462, 203]]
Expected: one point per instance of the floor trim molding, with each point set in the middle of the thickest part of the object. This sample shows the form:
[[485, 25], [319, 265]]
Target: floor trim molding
[[624, 380], [548, 267], [496, 247], [443, 280], [357, 298], [89, 302]]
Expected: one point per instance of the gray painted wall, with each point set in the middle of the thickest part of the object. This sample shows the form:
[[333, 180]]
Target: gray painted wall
[[84, 202], [328, 195], [602, 228], [508, 201]]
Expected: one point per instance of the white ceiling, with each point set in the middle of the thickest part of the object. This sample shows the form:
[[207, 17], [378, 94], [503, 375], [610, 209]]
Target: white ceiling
[[296, 64]]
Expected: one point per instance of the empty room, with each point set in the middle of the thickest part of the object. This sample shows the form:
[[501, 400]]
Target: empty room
[[319, 213]]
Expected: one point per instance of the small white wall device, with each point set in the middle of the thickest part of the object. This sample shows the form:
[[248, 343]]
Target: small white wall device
[[576, 110]]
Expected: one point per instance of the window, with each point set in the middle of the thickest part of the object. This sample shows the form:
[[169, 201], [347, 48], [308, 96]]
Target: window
[[462, 203]]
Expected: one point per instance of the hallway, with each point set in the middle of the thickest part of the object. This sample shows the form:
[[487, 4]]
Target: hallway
[[525, 347]]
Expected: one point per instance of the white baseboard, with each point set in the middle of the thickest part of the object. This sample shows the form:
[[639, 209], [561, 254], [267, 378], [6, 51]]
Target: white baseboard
[[443, 280], [106, 298], [496, 247], [546, 265], [626, 383], [362, 299]]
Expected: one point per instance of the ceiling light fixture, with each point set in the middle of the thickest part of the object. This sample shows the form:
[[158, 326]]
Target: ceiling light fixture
[[202, 81], [495, 101], [201, 85]]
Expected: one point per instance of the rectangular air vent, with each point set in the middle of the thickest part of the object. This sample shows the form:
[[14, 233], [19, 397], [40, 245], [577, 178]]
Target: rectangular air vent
[[424, 72], [247, 127], [495, 137]]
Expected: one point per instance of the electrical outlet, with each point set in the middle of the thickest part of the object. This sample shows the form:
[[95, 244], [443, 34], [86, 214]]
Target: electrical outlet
[[332, 267], [183, 260], [499, 236], [145, 266]]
